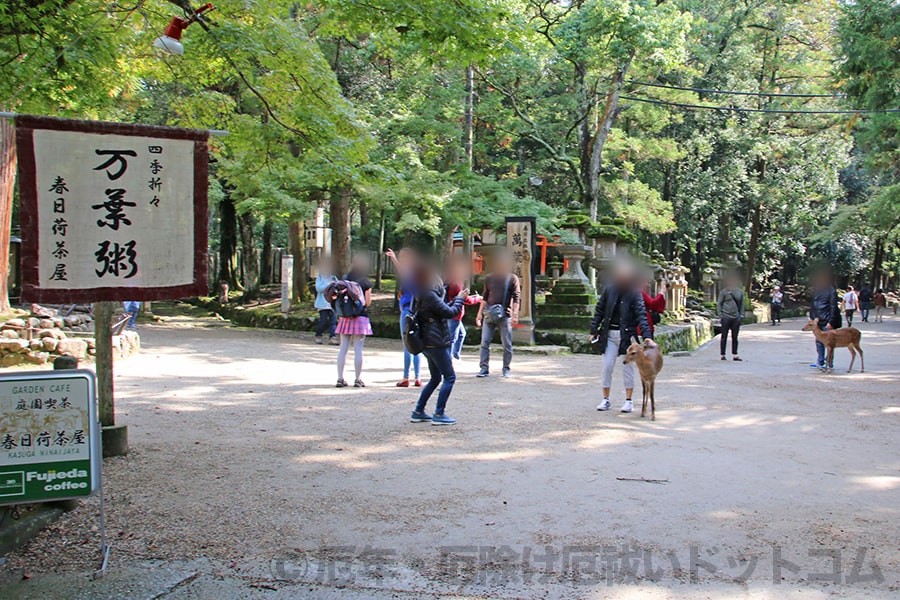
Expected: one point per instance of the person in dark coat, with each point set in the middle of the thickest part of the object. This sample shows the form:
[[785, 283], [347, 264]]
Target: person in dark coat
[[825, 312], [431, 315], [865, 302], [619, 314]]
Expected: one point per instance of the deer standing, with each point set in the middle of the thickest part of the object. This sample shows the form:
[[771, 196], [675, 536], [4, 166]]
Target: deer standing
[[845, 337], [649, 360]]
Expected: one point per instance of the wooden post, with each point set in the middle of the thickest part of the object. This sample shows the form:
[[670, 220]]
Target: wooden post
[[103, 313], [115, 437]]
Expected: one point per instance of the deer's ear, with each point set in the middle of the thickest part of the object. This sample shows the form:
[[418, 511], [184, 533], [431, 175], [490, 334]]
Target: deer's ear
[[634, 340]]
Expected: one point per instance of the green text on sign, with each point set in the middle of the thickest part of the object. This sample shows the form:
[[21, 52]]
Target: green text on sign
[[49, 444]]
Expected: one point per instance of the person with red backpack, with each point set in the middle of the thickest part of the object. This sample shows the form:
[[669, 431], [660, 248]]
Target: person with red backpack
[[351, 298]]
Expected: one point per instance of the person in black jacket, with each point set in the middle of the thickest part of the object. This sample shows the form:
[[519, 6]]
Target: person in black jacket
[[865, 302], [825, 311], [431, 315], [619, 313]]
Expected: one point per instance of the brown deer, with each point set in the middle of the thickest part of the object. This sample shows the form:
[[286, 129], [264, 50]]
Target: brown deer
[[845, 337], [649, 360]]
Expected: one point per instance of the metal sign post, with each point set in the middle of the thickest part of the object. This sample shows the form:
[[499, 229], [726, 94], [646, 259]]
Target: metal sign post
[[50, 443]]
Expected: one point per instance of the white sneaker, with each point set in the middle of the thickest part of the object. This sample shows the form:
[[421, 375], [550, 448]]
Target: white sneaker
[[605, 405], [628, 406]]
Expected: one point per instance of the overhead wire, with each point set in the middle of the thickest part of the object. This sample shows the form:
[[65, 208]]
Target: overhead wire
[[784, 111]]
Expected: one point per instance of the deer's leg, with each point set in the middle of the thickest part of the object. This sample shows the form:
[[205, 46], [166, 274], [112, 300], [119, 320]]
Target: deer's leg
[[653, 399], [862, 365], [852, 357], [644, 390], [829, 359]]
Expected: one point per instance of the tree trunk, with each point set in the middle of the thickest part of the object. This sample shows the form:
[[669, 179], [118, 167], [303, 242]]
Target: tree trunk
[[585, 133], [297, 248], [755, 226], [753, 249], [340, 229], [380, 261], [469, 118], [610, 112], [8, 161], [878, 264], [249, 257], [228, 243], [363, 217], [266, 267]]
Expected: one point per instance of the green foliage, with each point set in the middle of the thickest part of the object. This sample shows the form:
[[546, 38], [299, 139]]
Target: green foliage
[[369, 96]]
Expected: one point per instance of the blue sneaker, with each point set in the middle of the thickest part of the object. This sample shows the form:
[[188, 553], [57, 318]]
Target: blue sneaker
[[419, 417], [442, 420], [815, 365]]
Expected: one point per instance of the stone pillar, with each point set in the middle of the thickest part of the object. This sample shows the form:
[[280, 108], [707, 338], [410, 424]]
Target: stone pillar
[[520, 241], [287, 281]]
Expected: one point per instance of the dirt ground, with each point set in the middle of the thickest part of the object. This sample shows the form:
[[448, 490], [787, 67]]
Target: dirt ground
[[766, 478]]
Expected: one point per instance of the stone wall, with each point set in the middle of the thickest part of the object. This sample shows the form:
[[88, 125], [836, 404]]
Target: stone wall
[[38, 341], [679, 337]]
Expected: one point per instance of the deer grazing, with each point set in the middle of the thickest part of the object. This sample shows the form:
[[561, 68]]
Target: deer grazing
[[649, 360], [845, 337]]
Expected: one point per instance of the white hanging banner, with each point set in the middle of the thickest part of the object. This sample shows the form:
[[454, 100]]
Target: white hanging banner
[[111, 211]]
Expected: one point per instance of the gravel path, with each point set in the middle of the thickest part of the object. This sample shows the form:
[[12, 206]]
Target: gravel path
[[244, 457]]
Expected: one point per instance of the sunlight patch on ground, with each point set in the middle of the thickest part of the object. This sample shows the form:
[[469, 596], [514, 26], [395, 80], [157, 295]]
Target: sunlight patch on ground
[[879, 482]]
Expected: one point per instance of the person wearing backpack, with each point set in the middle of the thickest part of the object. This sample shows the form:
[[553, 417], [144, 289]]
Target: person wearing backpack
[[353, 323], [731, 311], [431, 316], [499, 309], [403, 261]]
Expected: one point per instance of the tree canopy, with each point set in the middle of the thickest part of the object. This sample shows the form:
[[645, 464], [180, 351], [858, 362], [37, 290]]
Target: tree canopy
[[704, 125]]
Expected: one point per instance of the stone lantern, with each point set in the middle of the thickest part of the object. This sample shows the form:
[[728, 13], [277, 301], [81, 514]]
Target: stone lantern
[[570, 303], [605, 251], [574, 255], [709, 284]]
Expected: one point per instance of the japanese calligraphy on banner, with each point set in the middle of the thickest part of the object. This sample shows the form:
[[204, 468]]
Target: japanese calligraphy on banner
[[111, 211], [49, 436], [520, 240]]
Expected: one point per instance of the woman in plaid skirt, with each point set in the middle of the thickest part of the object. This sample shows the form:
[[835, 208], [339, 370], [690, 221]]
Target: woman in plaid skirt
[[353, 330]]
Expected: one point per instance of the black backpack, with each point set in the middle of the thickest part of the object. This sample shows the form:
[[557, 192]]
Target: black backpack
[[412, 336], [838, 317]]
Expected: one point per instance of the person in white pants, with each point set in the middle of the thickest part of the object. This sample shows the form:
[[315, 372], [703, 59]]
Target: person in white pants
[[609, 364], [619, 315]]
